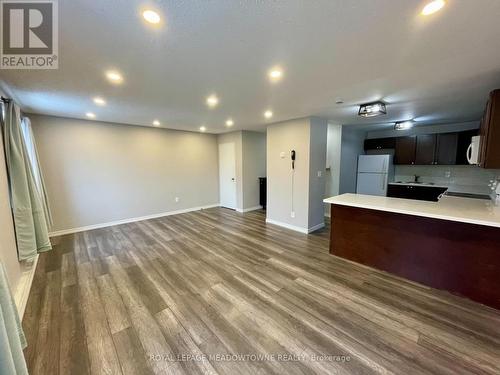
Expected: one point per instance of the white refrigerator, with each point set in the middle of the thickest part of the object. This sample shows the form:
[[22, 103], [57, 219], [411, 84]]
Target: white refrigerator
[[374, 174]]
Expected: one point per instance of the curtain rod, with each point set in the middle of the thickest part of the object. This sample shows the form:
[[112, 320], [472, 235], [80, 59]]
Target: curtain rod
[[6, 100]]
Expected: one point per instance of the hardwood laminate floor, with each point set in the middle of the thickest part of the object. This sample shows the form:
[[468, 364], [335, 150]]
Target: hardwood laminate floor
[[218, 292]]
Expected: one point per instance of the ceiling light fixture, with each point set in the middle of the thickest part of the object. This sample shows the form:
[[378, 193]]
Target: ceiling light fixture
[[404, 125], [268, 114], [90, 115], [151, 16], [433, 7], [156, 123], [99, 101], [229, 122], [372, 109], [275, 74], [212, 101], [114, 77], [203, 128]]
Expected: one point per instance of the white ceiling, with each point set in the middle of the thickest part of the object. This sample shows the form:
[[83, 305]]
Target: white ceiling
[[435, 69]]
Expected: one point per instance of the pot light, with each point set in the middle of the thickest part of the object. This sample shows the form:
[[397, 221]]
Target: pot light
[[114, 77], [99, 101], [156, 123], [275, 74], [90, 115], [372, 109], [212, 101], [433, 7], [229, 123], [403, 125], [151, 16], [268, 114], [203, 128]]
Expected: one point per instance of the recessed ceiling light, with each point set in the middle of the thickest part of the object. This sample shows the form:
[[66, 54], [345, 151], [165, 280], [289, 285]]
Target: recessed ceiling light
[[403, 125], [268, 114], [372, 109], [151, 16], [99, 101], [339, 101], [156, 123], [90, 115], [212, 101], [229, 122], [114, 77], [433, 7], [203, 128], [275, 74]]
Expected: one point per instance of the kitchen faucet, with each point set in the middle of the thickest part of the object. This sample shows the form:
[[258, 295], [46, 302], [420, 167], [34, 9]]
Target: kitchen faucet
[[416, 178]]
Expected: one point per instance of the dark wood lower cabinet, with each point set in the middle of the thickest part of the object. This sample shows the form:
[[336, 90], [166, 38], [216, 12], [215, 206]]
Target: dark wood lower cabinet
[[461, 258], [421, 193]]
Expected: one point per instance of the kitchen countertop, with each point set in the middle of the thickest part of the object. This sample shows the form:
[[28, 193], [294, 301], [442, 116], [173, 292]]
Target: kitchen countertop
[[423, 184], [452, 188], [465, 210]]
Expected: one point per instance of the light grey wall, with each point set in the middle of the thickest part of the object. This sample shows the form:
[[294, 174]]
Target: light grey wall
[[254, 166], [8, 249], [101, 172], [317, 165], [333, 153], [427, 129], [352, 147], [282, 138], [236, 138]]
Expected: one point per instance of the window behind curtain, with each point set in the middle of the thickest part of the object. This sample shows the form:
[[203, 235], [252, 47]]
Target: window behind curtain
[[30, 149]]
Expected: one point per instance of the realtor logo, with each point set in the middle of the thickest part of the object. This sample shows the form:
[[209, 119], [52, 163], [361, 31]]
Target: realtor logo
[[29, 34]]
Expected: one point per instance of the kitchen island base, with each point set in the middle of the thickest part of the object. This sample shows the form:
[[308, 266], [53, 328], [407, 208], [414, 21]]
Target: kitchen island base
[[461, 258]]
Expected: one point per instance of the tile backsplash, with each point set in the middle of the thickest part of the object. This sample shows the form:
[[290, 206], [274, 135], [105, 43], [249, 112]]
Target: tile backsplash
[[447, 174]]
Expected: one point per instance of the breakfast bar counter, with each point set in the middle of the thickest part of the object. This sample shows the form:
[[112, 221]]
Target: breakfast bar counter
[[453, 244], [465, 210]]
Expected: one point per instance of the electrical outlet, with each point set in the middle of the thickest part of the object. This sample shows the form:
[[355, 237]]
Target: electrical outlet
[[447, 174], [282, 155], [177, 199], [319, 173], [292, 215]]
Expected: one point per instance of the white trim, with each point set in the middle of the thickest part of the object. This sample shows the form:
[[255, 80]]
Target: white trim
[[287, 226], [249, 209], [130, 220], [316, 227], [28, 268], [295, 228]]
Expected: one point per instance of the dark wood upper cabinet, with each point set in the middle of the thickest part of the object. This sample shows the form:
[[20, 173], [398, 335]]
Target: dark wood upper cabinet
[[490, 133], [380, 143], [405, 150], [426, 149], [446, 149]]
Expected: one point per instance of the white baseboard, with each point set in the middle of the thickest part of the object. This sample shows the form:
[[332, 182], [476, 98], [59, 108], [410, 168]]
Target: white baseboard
[[287, 226], [316, 227], [130, 220], [295, 228], [249, 209], [28, 268]]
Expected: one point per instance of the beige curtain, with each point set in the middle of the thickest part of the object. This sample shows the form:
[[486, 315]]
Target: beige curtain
[[12, 339], [32, 152], [30, 219]]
